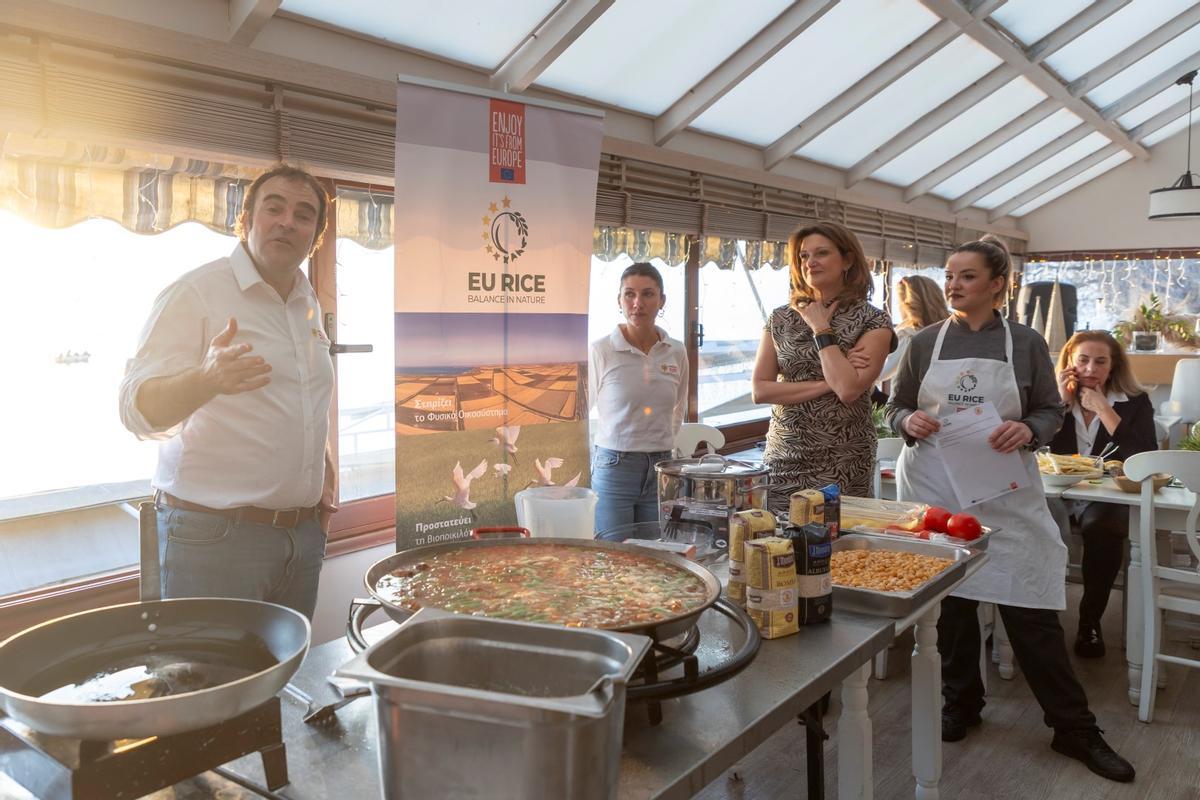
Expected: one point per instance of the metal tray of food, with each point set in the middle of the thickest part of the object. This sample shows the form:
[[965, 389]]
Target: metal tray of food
[[901, 604], [943, 539]]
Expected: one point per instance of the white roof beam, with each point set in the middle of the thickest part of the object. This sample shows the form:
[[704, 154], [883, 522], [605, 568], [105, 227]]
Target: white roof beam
[[552, 37], [1054, 181], [1003, 47], [766, 43], [879, 79], [1021, 167], [1160, 120], [248, 17], [981, 148], [929, 123], [1073, 28], [1135, 52], [1159, 83]]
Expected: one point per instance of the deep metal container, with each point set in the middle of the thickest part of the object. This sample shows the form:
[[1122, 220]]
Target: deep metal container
[[470, 707], [713, 479]]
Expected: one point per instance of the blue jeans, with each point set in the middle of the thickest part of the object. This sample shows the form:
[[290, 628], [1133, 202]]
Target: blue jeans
[[626, 484], [208, 555]]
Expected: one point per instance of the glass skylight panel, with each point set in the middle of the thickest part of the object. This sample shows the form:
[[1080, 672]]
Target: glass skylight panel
[[1136, 74], [1007, 154], [1113, 35], [1030, 20], [1056, 163], [482, 34], [1160, 102], [960, 133], [1166, 131], [928, 85], [645, 56], [1079, 180], [849, 41]]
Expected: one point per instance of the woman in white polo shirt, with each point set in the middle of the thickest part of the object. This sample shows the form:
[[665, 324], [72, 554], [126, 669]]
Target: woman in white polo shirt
[[638, 382]]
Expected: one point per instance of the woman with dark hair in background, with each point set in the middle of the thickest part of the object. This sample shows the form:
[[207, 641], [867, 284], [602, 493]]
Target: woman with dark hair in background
[[975, 357], [638, 381], [921, 305], [1105, 403], [817, 361]]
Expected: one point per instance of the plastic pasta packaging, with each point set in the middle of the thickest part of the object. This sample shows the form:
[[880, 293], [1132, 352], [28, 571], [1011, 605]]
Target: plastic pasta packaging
[[744, 526], [867, 513], [771, 586]]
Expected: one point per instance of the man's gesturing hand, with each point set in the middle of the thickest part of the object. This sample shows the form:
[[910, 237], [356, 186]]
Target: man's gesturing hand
[[227, 368]]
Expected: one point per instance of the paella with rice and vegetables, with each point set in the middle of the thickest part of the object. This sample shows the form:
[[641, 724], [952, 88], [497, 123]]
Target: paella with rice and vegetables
[[571, 586]]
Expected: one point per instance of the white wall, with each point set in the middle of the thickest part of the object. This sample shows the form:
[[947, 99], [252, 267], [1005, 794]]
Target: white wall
[[1109, 213]]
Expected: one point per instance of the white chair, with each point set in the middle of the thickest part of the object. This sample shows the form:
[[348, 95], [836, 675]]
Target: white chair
[[886, 450], [1164, 588], [1185, 389], [693, 434]]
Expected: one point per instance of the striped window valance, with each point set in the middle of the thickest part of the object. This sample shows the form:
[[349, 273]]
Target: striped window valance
[[148, 193]]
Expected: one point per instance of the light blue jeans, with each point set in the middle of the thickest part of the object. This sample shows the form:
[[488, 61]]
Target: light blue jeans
[[208, 555], [626, 484]]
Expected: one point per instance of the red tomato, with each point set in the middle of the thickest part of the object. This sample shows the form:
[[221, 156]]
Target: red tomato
[[964, 526], [936, 519]]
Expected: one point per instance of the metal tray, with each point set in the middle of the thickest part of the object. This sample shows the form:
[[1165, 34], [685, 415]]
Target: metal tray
[[901, 604], [943, 539]]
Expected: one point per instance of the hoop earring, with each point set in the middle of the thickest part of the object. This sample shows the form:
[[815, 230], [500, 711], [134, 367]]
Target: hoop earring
[[661, 311]]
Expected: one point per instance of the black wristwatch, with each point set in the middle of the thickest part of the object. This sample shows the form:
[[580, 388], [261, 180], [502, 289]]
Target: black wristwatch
[[824, 340]]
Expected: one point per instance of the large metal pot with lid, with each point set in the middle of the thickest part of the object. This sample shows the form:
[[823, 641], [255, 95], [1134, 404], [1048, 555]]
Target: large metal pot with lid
[[713, 479]]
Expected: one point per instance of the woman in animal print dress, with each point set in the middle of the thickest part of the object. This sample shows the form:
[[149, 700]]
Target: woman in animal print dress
[[818, 359]]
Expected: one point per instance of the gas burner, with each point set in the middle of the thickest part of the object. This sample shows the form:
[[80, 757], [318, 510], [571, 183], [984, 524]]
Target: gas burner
[[699, 669], [60, 768]]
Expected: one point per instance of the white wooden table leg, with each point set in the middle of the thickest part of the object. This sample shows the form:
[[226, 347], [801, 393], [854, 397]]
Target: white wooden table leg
[[1134, 631], [927, 706], [855, 774]]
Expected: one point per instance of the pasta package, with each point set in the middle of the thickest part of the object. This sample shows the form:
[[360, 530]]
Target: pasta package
[[744, 526], [771, 586], [805, 506]]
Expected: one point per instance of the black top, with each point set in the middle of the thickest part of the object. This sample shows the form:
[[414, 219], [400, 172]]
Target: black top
[[1135, 433]]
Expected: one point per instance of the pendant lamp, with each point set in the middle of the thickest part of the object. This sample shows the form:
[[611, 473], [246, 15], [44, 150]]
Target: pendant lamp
[[1182, 198]]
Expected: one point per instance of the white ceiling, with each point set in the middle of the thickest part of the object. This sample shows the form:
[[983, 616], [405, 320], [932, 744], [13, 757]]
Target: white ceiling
[[999, 105]]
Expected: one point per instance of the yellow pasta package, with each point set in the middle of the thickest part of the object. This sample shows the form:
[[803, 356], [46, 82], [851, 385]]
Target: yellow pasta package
[[771, 586], [806, 506], [743, 526]]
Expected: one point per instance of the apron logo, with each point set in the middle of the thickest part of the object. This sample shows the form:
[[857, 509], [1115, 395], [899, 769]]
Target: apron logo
[[963, 398], [967, 381]]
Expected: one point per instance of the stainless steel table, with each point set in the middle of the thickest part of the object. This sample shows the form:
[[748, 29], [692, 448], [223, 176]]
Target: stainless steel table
[[701, 735]]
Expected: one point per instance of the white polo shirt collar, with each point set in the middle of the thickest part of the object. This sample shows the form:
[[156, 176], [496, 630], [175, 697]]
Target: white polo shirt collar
[[619, 342]]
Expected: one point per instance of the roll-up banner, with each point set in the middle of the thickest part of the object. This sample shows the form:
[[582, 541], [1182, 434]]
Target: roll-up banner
[[495, 207]]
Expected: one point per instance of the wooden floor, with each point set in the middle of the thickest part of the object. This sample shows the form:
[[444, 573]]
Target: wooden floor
[[1009, 756]]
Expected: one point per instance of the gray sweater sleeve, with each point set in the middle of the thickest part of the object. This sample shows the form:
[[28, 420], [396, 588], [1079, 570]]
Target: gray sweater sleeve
[[1041, 409]]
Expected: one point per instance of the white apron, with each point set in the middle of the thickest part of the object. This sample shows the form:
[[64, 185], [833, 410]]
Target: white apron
[[1027, 560]]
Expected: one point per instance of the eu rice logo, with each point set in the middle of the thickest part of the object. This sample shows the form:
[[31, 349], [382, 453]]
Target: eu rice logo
[[505, 230]]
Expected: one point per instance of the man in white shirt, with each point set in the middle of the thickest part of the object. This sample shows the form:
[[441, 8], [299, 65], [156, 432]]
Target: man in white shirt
[[233, 376]]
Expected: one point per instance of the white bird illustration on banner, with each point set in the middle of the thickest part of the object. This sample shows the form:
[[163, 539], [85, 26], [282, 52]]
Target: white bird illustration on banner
[[506, 437], [545, 478], [502, 469], [462, 487]]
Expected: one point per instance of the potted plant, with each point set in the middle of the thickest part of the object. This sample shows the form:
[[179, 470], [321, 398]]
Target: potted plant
[[1150, 325]]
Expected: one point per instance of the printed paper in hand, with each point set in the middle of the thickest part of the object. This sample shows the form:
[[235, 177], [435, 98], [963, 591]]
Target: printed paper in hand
[[977, 472]]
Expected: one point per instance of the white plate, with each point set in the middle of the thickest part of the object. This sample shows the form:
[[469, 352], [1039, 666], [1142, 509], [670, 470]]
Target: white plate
[[1064, 481]]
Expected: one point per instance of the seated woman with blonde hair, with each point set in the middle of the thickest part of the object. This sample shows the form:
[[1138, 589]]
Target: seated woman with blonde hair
[[1104, 404], [922, 303]]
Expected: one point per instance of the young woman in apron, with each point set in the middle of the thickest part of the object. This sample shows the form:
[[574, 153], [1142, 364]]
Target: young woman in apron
[[955, 365]]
